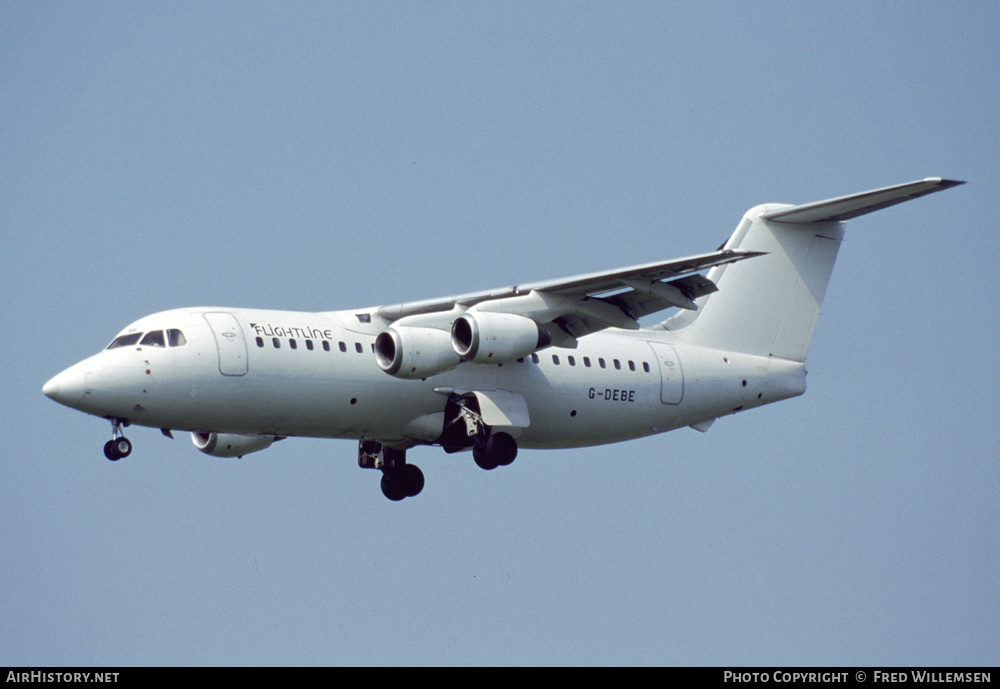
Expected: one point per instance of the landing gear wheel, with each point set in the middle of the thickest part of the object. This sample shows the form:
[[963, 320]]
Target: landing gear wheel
[[483, 458], [393, 487], [503, 447], [499, 450], [123, 446], [404, 482], [413, 479], [117, 448]]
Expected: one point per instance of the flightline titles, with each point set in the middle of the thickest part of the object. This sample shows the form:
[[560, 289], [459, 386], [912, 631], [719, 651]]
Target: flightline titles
[[858, 676]]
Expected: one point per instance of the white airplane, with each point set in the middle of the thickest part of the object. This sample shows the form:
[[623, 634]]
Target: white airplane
[[554, 364]]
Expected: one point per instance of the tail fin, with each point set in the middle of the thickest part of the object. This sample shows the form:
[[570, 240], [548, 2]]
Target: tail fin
[[769, 305]]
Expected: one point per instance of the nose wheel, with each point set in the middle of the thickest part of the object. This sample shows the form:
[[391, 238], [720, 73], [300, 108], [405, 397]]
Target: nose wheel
[[119, 446]]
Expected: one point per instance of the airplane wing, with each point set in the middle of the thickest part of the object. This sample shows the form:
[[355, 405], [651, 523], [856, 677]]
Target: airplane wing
[[583, 304]]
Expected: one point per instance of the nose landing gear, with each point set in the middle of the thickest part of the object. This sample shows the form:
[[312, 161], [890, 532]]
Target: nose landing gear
[[119, 446]]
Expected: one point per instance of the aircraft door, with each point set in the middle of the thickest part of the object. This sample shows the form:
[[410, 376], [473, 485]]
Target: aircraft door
[[671, 375], [231, 343]]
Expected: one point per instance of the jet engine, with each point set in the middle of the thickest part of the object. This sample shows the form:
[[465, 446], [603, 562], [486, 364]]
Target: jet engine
[[414, 352], [485, 337], [230, 444]]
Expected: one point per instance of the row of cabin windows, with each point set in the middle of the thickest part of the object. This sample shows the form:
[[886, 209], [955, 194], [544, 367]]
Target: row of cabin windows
[[293, 344], [571, 360]]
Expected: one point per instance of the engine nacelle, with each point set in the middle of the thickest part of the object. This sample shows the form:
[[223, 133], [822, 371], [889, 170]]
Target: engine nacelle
[[414, 352], [230, 444], [486, 337]]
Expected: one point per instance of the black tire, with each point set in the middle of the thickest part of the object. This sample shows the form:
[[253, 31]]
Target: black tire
[[484, 460], [502, 448], [110, 452], [123, 447], [393, 487], [413, 479]]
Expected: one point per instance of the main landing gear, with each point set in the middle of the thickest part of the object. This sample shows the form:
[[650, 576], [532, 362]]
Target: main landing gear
[[464, 427], [399, 479], [498, 450], [119, 446]]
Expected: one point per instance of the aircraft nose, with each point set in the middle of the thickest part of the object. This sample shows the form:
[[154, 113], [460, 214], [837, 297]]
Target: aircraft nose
[[67, 387]]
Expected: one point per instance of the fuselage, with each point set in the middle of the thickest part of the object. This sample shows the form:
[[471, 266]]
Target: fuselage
[[548, 364], [287, 373]]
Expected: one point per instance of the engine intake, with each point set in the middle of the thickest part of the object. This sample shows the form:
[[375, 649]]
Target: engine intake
[[495, 338], [414, 352], [230, 444]]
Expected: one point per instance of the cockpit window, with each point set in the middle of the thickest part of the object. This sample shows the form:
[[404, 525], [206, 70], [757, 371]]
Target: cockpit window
[[154, 338], [125, 340], [175, 338]]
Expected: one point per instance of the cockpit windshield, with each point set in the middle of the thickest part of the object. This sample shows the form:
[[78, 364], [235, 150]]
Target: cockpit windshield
[[154, 338], [125, 340]]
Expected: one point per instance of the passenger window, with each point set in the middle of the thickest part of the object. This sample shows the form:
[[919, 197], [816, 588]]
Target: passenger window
[[326, 346], [357, 346], [260, 341], [125, 340], [293, 344], [618, 365], [555, 359], [276, 342], [309, 345], [645, 366], [343, 347], [600, 361], [175, 338], [631, 365], [571, 360], [153, 338], [586, 361], [534, 358]]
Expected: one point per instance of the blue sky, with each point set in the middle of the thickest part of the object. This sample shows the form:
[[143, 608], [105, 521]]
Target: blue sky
[[318, 156]]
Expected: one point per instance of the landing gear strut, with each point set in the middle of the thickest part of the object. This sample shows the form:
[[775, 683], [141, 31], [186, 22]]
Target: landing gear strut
[[119, 446], [399, 479]]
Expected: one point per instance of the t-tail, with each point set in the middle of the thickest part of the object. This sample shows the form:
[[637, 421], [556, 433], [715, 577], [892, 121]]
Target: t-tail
[[768, 305]]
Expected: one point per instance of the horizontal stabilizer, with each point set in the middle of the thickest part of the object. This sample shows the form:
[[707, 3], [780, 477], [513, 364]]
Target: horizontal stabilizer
[[847, 207], [769, 306]]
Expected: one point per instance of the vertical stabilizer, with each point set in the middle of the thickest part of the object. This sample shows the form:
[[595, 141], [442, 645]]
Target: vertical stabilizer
[[768, 305]]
